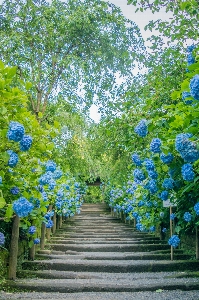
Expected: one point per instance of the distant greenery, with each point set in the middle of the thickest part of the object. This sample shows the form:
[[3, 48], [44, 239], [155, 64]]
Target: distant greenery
[[93, 195]]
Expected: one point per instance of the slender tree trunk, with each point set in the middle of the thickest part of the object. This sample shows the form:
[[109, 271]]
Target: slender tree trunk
[[54, 221], [43, 230], [14, 249], [48, 232], [58, 221], [32, 252]]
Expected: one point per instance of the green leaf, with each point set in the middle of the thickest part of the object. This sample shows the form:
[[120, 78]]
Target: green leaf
[[9, 211], [28, 85], [2, 202]]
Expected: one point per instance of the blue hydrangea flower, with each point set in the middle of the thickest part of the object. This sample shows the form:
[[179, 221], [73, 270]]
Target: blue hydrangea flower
[[51, 185], [141, 129], [1, 180], [187, 95], [191, 48], [186, 148], [44, 196], [25, 143], [190, 59], [76, 184], [138, 174], [136, 159], [36, 241], [153, 174], [13, 160], [49, 224], [187, 216], [149, 164], [16, 131], [60, 193], [32, 229], [140, 203], [152, 229], [172, 216], [164, 195], [147, 215], [14, 190], [155, 145], [2, 239], [187, 172], [164, 230], [152, 186], [45, 178], [166, 159], [51, 166], [196, 208], [194, 87], [168, 183], [57, 174], [161, 214], [174, 241], [22, 207]]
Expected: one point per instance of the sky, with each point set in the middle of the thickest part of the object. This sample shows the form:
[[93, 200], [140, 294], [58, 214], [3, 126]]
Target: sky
[[141, 19]]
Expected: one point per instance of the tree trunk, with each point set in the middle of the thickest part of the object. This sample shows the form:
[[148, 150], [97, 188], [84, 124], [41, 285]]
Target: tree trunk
[[32, 252], [48, 232], [43, 230], [55, 222], [14, 249]]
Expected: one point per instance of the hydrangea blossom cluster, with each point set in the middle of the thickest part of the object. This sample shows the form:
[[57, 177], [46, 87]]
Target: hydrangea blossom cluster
[[138, 175], [49, 224], [196, 208], [166, 159], [194, 87], [2, 239], [52, 184], [136, 159], [51, 166], [141, 129], [186, 148], [187, 172], [152, 186], [13, 160], [36, 241], [174, 241], [1, 180], [155, 145], [45, 178], [25, 143], [168, 183], [57, 174], [187, 216], [22, 207], [32, 229], [190, 57], [149, 164], [152, 229], [172, 216], [16, 131], [164, 230], [153, 174], [164, 195], [14, 190]]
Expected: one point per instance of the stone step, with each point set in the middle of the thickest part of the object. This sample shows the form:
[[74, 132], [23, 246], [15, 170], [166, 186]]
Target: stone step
[[116, 256], [115, 242], [106, 284], [109, 247], [112, 266]]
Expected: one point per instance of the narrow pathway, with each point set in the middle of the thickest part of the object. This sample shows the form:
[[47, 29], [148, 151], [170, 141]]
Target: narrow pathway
[[95, 256]]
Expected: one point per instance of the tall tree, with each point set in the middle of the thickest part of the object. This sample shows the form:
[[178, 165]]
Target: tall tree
[[75, 48]]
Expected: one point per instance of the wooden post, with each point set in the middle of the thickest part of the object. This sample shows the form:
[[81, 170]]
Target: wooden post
[[61, 221], [54, 221], [32, 252], [48, 232], [14, 249], [171, 232], [42, 241], [197, 244]]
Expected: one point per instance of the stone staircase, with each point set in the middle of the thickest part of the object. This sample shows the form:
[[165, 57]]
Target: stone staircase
[[95, 252]]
